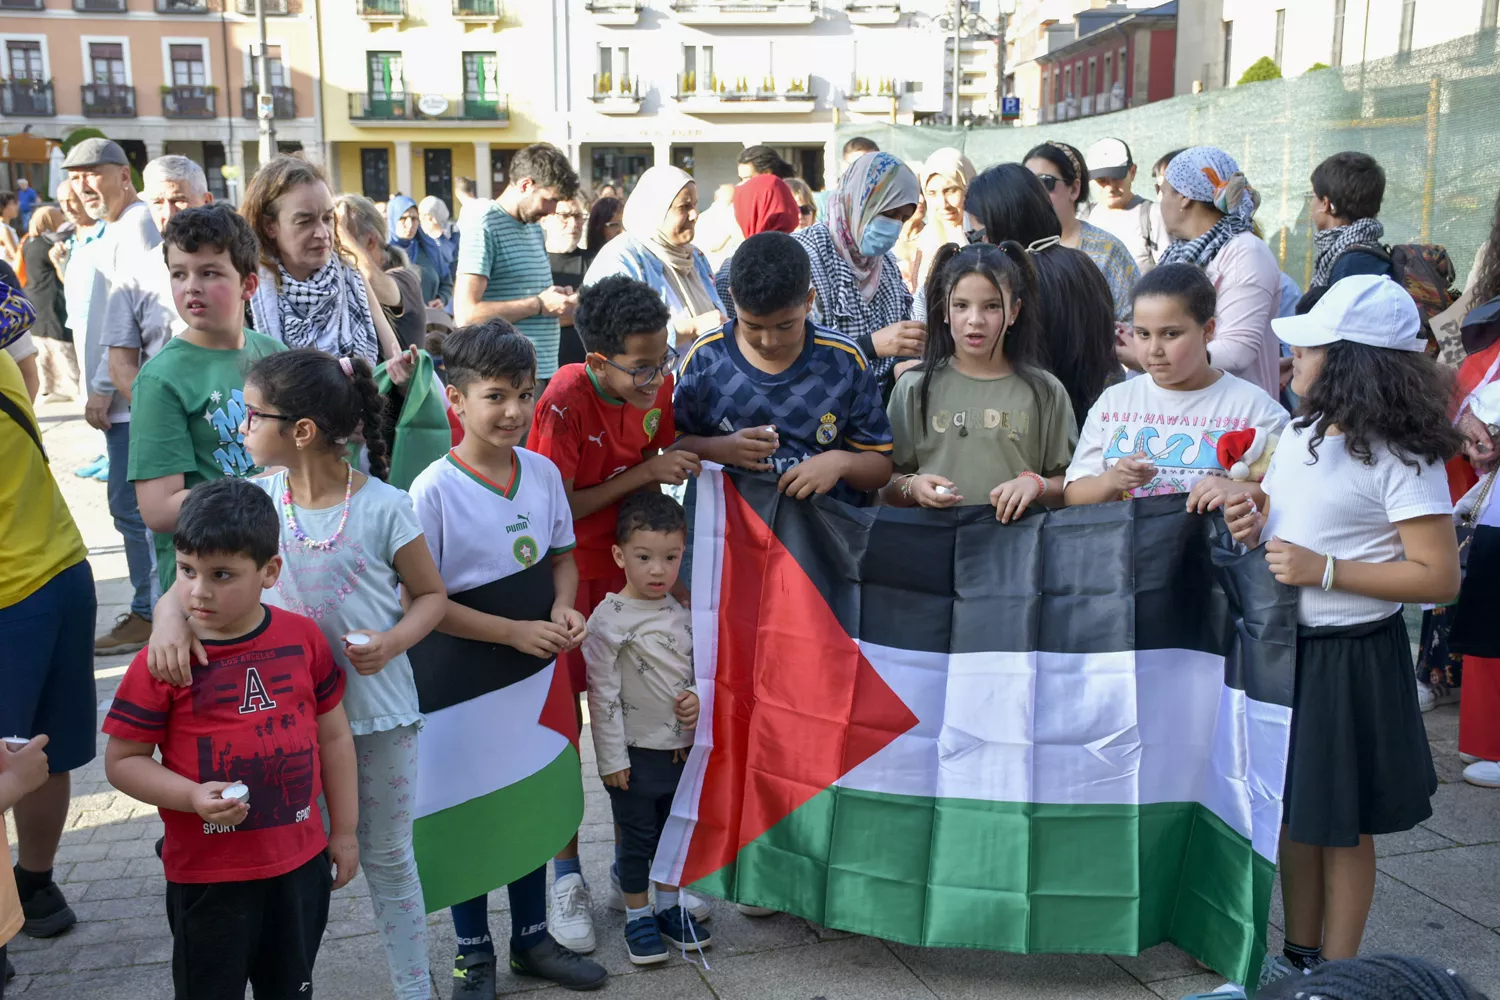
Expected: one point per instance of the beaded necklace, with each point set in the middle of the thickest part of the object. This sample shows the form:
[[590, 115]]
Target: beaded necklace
[[291, 517]]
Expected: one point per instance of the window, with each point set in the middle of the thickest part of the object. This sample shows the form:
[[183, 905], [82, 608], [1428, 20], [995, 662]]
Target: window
[[24, 60], [1280, 33], [1408, 22], [1067, 82], [385, 75], [1093, 76], [275, 68], [1120, 67], [1336, 57], [187, 66], [697, 68], [614, 71], [375, 174], [1228, 50], [1109, 71], [107, 60], [481, 76]]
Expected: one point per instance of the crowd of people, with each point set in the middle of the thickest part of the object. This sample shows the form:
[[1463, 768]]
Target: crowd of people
[[1027, 335]]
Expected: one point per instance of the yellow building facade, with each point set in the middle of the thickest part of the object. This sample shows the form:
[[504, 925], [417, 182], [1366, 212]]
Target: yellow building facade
[[417, 93]]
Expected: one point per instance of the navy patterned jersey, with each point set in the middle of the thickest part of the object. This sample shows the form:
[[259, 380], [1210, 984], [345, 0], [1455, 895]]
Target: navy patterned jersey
[[826, 400]]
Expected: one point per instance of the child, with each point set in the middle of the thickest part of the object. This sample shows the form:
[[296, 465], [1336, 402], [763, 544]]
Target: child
[[462, 501], [774, 391], [1358, 517], [347, 541], [640, 653], [248, 879], [1155, 435], [187, 404], [977, 411], [604, 424]]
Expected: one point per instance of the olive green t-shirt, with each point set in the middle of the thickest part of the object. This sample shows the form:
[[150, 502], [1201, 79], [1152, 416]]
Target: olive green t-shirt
[[980, 433]]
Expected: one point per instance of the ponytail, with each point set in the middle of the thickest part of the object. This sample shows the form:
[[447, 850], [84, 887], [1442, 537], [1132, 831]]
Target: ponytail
[[338, 395]]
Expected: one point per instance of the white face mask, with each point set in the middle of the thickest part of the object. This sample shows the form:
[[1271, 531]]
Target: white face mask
[[881, 233]]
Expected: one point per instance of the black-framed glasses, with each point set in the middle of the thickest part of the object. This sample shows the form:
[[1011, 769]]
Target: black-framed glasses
[[252, 415], [643, 377], [1048, 181]]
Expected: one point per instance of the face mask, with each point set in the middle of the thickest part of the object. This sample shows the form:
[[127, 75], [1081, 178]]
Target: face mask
[[881, 233]]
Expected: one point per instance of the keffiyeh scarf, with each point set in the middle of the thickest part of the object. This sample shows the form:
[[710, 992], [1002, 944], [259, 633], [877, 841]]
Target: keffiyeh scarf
[[328, 311], [1210, 175], [1331, 244]]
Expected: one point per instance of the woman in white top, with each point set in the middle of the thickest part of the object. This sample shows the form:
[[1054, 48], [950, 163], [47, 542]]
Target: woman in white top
[[1358, 517], [1207, 206]]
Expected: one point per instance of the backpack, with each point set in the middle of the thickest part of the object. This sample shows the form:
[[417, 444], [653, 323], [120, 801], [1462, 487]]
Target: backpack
[[1426, 272]]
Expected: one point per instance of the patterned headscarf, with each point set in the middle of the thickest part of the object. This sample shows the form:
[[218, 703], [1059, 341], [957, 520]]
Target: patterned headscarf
[[1210, 175], [871, 186]]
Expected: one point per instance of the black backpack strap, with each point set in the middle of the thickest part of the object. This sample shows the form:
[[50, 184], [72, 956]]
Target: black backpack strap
[[9, 407]]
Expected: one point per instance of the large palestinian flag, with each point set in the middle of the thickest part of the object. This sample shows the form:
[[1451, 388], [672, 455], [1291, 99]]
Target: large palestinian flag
[[498, 781], [1063, 735]]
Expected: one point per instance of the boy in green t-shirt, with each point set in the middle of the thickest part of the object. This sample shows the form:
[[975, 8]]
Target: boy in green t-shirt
[[188, 402]]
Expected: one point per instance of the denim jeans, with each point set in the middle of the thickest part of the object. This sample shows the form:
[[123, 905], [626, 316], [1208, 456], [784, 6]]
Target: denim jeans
[[122, 507]]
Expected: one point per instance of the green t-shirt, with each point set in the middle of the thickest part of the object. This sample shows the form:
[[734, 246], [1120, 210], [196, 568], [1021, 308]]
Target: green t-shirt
[[185, 413], [980, 433]]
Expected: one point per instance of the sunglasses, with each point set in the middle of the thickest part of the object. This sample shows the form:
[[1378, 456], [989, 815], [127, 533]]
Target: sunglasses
[[1048, 181], [805, 210]]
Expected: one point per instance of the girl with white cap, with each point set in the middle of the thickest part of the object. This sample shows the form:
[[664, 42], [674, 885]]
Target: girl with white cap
[[1359, 519]]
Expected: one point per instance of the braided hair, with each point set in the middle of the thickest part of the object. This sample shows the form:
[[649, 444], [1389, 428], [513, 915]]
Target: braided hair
[[1377, 977], [313, 385]]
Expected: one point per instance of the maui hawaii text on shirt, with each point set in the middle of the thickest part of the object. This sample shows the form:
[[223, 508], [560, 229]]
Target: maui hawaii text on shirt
[[251, 715]]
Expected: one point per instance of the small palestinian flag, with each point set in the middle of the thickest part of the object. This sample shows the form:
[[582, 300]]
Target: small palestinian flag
[[1063, 735], [498, 782]]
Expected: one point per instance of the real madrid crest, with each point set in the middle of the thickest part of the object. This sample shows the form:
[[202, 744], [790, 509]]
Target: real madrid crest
[[828, 428]]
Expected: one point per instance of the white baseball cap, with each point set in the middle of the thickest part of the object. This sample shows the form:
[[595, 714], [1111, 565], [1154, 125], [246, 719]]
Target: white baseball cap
[[1109, 158], [1368, 309]]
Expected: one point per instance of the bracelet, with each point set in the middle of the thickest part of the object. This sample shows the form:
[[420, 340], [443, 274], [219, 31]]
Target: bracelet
[[1328, 572], [1041, 483], [905, 486]]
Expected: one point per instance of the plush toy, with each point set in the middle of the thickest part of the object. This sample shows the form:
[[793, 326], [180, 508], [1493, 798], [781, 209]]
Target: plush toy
[[1246, 454]]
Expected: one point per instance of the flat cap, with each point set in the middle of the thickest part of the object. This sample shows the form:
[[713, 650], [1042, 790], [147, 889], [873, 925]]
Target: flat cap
[[93, 152]]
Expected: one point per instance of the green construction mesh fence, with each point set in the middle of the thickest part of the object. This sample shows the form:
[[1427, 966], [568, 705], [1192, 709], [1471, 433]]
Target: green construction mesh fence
[[1431, 117]]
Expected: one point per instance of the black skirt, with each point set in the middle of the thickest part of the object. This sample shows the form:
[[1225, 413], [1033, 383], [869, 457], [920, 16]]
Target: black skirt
[[1359, 761]]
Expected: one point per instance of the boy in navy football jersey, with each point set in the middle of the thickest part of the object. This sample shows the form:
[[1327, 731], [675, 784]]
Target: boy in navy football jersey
[[774, 391]]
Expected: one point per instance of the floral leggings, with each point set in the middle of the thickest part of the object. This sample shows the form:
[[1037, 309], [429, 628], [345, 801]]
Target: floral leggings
[[387, 781]]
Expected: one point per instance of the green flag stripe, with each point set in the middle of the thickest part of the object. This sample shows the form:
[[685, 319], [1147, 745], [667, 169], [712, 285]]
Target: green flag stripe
[[1012, 876], [489, 841]]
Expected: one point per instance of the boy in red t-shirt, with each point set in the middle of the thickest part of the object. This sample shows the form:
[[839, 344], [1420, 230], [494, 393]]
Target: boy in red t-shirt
[[245, 751], [606, 425]]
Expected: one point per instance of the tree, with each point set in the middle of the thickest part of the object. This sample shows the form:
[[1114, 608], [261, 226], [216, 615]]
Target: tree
[[1262, 69], [76, 136], [1317, 66]]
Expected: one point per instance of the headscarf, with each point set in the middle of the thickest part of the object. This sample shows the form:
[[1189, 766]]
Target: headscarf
[[645, 215], [398, 206], [765, 204], [951, 165], [871, 186], [328, 311], [1211, 176]]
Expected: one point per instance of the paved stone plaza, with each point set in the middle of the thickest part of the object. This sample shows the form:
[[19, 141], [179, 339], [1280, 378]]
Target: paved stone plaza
[[1438, 893]]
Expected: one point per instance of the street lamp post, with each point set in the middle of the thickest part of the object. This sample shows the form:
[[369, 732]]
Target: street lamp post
[[265, 101], [969, 23]]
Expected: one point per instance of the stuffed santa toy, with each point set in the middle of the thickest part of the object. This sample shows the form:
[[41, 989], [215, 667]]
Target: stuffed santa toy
[[1246, 454]]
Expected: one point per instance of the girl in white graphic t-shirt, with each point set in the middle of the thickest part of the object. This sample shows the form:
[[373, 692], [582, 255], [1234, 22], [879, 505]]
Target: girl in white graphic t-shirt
[[1359, 520], [1159, 434]]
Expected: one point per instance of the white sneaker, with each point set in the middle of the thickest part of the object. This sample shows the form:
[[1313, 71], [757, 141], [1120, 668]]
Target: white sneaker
[[616, 898], [1426, 699], [694, 904], [1469, 758], [754, 911], [1484, 773], [570, 915]]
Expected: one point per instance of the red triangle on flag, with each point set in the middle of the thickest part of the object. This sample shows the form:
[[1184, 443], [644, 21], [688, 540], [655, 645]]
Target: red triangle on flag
[[560, 710], [789, 674]]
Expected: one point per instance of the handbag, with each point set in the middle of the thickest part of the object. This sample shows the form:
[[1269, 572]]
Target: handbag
[[1465, 526]]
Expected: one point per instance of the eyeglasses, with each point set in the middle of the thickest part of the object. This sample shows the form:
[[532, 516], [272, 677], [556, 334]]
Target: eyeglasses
[[1048, 181], [569, 216], [643, 377], [805, 210], [253, 416]]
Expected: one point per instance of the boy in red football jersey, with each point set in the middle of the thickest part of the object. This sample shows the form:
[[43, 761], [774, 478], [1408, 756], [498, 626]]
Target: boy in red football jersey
[[245, 750], [606, 425]]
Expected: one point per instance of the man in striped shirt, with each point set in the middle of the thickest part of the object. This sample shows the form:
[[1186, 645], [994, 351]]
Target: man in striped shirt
[[503, 268]]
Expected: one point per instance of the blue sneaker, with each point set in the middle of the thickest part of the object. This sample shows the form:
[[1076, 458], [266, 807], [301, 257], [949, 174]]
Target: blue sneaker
[[681, 930], [643, 942], [87, 471], [102, 473]]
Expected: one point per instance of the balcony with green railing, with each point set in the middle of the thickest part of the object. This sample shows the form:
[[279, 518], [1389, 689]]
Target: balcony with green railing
[[451, 109]]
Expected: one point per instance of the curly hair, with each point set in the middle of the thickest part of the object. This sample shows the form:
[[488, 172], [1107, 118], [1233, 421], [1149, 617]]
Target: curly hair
[[649, 510], [614, 308], [1374, 397], [548, 167], [1487, 285], [311, 384], [216, 226]]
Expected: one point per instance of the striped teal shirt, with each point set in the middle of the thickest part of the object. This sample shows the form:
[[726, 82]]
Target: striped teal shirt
[[513, 257]]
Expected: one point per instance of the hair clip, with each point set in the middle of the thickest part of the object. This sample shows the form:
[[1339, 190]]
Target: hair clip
[[347, 366], [1045, 243]]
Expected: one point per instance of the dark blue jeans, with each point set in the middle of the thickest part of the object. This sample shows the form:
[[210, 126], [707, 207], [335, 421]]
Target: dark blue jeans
[[122, 507]]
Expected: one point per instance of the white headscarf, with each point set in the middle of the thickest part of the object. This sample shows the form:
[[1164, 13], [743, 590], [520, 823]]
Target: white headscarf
[[645, 216], [951, 165]]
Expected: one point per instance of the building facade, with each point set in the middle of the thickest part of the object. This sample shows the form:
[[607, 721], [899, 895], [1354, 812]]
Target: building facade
[[1118, 59], [160, 76]]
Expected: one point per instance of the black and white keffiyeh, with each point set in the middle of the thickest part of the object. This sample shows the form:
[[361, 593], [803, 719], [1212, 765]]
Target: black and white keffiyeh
[[1331, 244], [328, 311]]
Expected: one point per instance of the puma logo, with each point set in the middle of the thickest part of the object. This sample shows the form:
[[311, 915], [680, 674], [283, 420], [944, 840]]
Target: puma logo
[[599, 440], [561, 411]]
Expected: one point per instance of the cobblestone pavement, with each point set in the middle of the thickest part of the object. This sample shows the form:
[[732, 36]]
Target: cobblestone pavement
[[1437, 894]]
